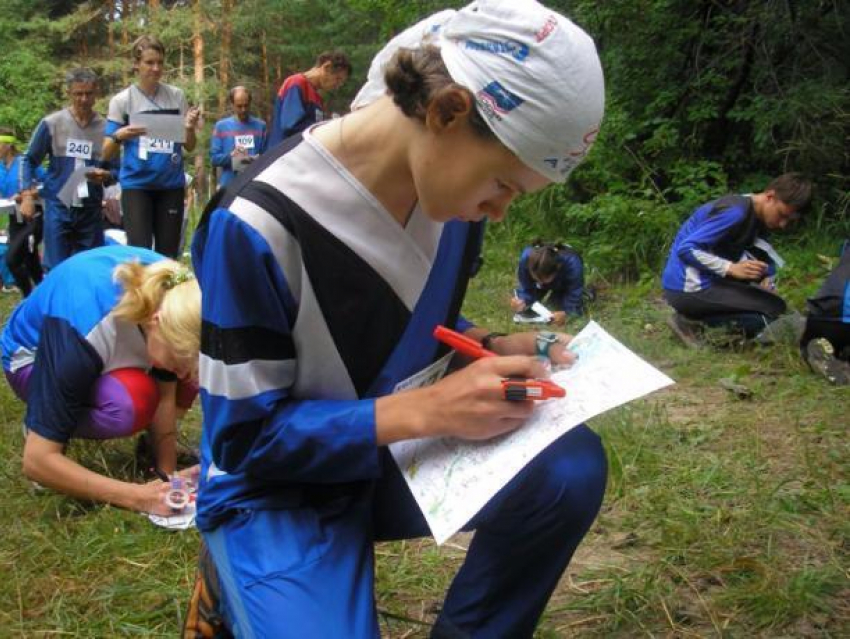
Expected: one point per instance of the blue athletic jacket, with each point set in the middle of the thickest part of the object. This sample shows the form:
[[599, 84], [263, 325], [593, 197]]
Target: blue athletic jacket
[[715, 236], [308, 315], [229, 132], [566, 290], [64, 329]]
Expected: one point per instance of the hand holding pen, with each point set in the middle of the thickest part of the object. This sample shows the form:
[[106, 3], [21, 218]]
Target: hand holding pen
[[513, 388], [469, 403]]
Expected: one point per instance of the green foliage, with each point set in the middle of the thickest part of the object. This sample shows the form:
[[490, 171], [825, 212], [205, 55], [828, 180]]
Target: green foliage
[[23, 77]]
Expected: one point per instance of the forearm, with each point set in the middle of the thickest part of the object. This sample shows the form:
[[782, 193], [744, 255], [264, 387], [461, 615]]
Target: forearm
[[163, 429], [399, 417], [111, 148], [54, 470], [191, 139]]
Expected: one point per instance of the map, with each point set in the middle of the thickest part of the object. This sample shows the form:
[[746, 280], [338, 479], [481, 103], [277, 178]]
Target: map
[[453, 479]]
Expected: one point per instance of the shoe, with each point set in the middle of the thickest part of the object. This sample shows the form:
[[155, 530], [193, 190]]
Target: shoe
[[685, 329], [9, 289], [787, 329], [820, 356]]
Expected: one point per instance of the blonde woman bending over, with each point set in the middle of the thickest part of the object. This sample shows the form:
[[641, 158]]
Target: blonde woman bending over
[[107, 346]]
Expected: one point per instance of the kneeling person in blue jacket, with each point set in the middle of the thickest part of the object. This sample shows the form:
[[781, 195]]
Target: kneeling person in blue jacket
[[712, 273], [552, 270]]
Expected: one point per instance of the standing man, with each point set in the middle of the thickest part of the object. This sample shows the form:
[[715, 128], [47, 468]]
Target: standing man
[[73, 139], [298, 103], [237, 140]]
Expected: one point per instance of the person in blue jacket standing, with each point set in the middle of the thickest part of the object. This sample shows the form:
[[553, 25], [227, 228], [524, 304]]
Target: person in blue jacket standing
[[550, 269], [324, 270], [719, 270], [238, 139], [299, 103], [73, 140], [21, 256]]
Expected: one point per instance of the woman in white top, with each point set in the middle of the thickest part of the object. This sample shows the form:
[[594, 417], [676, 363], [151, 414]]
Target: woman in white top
[[152, 179]]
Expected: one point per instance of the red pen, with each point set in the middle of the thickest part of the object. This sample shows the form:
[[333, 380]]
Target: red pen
[[461, 343], [513, 388], [518, 389]]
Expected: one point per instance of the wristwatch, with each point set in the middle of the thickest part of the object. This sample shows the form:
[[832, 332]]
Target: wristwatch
[[543, 342]]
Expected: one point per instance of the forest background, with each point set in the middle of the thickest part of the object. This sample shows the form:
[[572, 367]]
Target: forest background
[[727, 512], [704, 97]]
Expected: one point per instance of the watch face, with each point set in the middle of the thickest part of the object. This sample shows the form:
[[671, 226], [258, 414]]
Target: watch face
[[544, 341]]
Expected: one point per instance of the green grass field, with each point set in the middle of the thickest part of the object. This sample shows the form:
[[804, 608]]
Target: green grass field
[[723, 516]]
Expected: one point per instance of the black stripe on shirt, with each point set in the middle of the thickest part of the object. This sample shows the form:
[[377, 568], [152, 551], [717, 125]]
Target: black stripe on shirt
[[240, 345]]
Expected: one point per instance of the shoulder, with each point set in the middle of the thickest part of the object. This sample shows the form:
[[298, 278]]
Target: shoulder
[[298, 80], [55, 117], [735, 206], [121, 98], [172, 90]]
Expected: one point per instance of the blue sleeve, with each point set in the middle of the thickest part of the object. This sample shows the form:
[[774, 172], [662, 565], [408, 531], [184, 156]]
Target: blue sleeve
[[264, 140], [570, 284], [706, 235], [65, 370], [111, 128], [113, 166], [252, 422], [292, 112], [218, 154], [526, 290], [39, 147], [462, 325]]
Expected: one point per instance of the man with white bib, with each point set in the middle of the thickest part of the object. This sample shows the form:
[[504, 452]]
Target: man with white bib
[[72, 138]]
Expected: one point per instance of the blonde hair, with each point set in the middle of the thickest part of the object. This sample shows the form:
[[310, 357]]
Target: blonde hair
[[168, 288]]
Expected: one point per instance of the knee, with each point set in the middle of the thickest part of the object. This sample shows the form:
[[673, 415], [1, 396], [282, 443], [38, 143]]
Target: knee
[[574, 475]]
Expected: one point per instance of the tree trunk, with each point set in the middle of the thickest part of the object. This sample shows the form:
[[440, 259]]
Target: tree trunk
[[264, 76], [224, 53], [126, 12], [198, 53], [110, 23]]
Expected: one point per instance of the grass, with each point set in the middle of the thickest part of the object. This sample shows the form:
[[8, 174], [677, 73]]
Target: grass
[[724, 517]]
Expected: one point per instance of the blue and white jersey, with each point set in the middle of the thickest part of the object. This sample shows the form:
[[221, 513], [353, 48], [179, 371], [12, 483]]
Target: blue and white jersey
[[566, 289], [230, 133], [65, 330], [315, 302], [716, 236], [69, 146], [11, 177], [146, 162]]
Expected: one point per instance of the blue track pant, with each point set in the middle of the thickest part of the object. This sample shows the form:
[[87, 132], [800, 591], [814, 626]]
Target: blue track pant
[[70, 230], [309, 572]]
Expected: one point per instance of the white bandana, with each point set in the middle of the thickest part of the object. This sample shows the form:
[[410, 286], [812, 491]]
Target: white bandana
[[535, 75]]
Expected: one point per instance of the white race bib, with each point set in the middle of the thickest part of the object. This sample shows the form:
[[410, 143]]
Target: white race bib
[[245, 141], [154, 145], [80, 149], [427, 375]]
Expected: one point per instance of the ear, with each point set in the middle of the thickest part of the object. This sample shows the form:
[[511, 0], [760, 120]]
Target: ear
[[448, 108]]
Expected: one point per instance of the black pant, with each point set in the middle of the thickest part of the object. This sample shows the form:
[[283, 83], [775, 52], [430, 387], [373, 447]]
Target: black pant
[[728, 302], [154, 219], [22, 254]]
